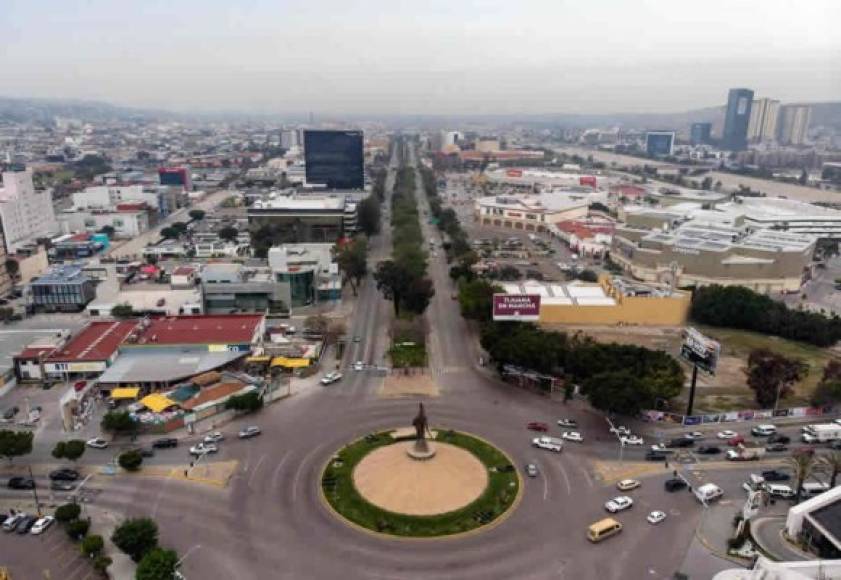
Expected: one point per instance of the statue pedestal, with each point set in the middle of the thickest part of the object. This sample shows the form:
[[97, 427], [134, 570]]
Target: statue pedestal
[[421, 450]]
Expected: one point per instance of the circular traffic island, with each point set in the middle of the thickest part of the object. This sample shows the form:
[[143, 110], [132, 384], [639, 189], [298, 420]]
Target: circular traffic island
[[377, 483]]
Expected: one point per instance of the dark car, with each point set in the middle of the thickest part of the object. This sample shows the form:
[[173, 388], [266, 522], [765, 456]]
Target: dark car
[[775, 475], [64, 475], [655, 456], [674, 484], [778, 438], [165, 443], [26, 524], [836, 444], [681, 442], [143, 451], [10, 413], [709, 450], [21, 483], [776, 447]]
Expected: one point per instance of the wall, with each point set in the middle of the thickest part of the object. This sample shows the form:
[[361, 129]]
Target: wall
[[33, 266]]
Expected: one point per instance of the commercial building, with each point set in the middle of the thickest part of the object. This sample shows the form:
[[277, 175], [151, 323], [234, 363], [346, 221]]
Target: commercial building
[[702, 254], [766, 569], [128, 220], [290, 138], [737, 119], [611, 301], [335, 159], [62, 289], [235, 287], [88, 352], [308, 270], [763, 120], [305, 219], [816, 524], [700, 133], [25, 214], [659, 143], [533, 213], [77, 246], [794, 124], [176, 176], [673, 195], [539, 179], [586, 237]]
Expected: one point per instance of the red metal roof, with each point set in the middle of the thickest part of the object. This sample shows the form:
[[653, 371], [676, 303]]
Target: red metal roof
[[584, 230], [95, 342], [221, 329], [212, 394], [32, 352]]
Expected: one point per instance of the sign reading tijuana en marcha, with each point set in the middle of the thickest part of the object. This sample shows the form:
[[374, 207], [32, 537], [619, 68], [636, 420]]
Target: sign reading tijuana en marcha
[[516, 306]]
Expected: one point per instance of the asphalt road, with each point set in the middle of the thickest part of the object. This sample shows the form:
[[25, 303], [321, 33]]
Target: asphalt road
[[270, 521]]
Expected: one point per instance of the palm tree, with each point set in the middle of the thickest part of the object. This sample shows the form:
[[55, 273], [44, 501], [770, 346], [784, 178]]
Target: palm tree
[[803, 465], [832, 463]]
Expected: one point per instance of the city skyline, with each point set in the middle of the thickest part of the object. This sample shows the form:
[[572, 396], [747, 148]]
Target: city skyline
[[482, 58]]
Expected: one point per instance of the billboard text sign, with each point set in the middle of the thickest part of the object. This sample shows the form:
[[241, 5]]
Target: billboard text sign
[[516, 307]]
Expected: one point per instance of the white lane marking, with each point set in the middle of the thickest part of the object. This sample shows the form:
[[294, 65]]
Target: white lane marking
[[276, 472], [254, 471], [301, 469], [566, 478], [587, 476], [545, 487]]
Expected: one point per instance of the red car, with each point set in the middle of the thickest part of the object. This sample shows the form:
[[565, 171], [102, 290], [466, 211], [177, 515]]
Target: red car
[[536, 426], [738, 439], [80, 385]]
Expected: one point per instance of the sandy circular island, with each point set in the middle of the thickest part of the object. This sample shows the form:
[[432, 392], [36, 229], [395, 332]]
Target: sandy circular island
[[390, 479]]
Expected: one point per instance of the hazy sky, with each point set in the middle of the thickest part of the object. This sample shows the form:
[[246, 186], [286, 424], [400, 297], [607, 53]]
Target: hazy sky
[[420, 56]]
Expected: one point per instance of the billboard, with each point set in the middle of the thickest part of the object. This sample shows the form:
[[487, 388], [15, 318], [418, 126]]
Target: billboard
[[522, 307], [700, 350]]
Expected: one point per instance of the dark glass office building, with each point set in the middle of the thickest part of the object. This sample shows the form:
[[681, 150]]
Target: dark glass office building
[[659, 143], [335, 159], [699, 133], [736, 120]]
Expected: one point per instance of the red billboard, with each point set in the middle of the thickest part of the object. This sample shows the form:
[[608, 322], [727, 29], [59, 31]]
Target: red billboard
[[516, 306], [587, 180]]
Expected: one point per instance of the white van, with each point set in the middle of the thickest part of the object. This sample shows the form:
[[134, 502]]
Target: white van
[[708, 492], [763, 430], [777, 490]]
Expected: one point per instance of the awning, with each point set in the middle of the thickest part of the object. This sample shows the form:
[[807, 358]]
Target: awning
[[258, 359], [290, 363], [156, 402], [125, 393]]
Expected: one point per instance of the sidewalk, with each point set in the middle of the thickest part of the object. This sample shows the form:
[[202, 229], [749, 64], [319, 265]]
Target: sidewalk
[[104, 522], [767, 533]]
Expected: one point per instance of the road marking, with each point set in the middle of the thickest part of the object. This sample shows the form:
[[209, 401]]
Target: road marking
[[566, 478], [545, 487], [254, 471], [276, 472], [300, 469], [587, 476]]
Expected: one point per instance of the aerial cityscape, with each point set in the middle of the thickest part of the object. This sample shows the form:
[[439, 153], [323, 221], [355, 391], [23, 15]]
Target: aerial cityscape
[[447, 291]]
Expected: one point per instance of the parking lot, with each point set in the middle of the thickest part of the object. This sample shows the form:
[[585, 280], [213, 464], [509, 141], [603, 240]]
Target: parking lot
[[51, 555]]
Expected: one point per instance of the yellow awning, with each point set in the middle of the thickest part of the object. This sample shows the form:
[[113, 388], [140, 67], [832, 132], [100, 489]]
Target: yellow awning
[[156, 402], [125, 393], [258, 359], [290, 363]]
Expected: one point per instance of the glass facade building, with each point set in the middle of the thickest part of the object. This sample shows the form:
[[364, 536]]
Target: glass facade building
[[737, 119], [335, 159]]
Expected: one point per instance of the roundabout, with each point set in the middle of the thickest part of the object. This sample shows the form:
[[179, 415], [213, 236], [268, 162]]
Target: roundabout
[[377, 484]]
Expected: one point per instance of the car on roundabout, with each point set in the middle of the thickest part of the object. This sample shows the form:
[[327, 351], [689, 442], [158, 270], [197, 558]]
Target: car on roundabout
[[249, 432], [656, 517], [674, 484], [628, 484], [531, 470], [567, 423], [573, 436], [632, 440], [618, 504], [548, 443], [727, 434], [203, 449]]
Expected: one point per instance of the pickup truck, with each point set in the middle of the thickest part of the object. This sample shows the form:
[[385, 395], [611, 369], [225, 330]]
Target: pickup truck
[[742, 453], [548, 443]]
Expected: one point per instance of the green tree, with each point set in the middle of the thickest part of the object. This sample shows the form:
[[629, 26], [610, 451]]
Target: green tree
[[509, 273], [393, 280], [101, 563], [170, 233], [130, 460], [157, 564], [247, 403], [15, 444], [316, 323], [772, 375], [620, 392], [13, 268], [352, 259], [228, 233], [802, 466], [828, 390], [118, 422], [71, 450], [92, 545], [67, 512], [123, 311], [831, 462], [136, 537], [196, 214], [77, 529], [418, 295], [368, 215], [587, 276], [475, 297]]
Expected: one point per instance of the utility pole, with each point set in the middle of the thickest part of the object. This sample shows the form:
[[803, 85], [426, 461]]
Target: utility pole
[[35, 492], [692, 390]]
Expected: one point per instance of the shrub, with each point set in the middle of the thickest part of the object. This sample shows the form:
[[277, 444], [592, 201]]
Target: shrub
[[130, 460], [101, 563], [157, 564], [77, 529], [67, 512], [136, 537], [92, 545]]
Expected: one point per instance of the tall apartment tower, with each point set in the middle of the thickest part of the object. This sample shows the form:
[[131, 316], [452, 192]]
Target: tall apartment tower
[[737, 119], [763, 120], [794, 124], [26, 214]]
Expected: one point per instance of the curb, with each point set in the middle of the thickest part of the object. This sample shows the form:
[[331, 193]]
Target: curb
[[459, 535]]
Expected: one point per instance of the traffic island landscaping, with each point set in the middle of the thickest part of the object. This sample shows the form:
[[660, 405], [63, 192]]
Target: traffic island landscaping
[[469, 477]]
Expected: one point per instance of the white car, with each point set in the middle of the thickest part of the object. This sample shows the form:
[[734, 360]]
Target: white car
[[573, 436], [214, 437], [726, 434], [531, 470], [567, 423], [628, 484], [203, 449], [41, 525], [249, 432], [623, 431], [548, 443], [619, 504], [331, 378], [97, 443], [656, 517], [695, 435], [12, 521], [359, 366], [632, 440]]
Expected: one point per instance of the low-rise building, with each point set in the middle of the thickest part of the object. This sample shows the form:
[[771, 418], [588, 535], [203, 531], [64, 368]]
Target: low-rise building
[[304, 219], [534, 213], [237, 288], [62, 289]]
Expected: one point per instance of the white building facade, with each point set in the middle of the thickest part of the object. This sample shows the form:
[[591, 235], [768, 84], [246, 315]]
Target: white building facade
[[26, 214]]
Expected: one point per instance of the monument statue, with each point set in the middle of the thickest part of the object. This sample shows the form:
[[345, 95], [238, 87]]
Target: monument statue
[[421, 449], [420, 423]]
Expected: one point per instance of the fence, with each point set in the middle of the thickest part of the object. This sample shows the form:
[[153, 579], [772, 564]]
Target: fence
[[737, 416]]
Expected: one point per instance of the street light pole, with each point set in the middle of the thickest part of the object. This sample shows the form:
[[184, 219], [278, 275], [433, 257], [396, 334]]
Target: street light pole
[[35, 492], [178, 574]]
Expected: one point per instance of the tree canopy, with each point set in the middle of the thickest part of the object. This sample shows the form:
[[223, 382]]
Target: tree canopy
[[136, 537], [772, 375], [71, 450], [228, 233], [15, 444], [118, 422], [158, 564], [352, 259]]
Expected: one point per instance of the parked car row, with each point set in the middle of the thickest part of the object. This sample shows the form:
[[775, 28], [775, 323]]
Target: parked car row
[[23, 523]]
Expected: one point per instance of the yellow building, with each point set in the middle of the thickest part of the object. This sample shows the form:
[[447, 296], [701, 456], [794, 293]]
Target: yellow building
[[611, 301]]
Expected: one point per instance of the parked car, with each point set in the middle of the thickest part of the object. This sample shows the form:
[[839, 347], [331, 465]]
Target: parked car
[[674, 484], [165, 443], [618, 504], [775, 475], [628, 484], [249, 432], [836, 444], [203, 449], [780, 491], [11, 522], [574, 436], [531, 470], [42, 524], [97, 443], [632, 440], [708, 450], [64, 474], [26, 524], [776, 447], [10, 413], [21, 483], [726, 434], [538, 426], [567, 423], [656, 517], [214, 437]]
